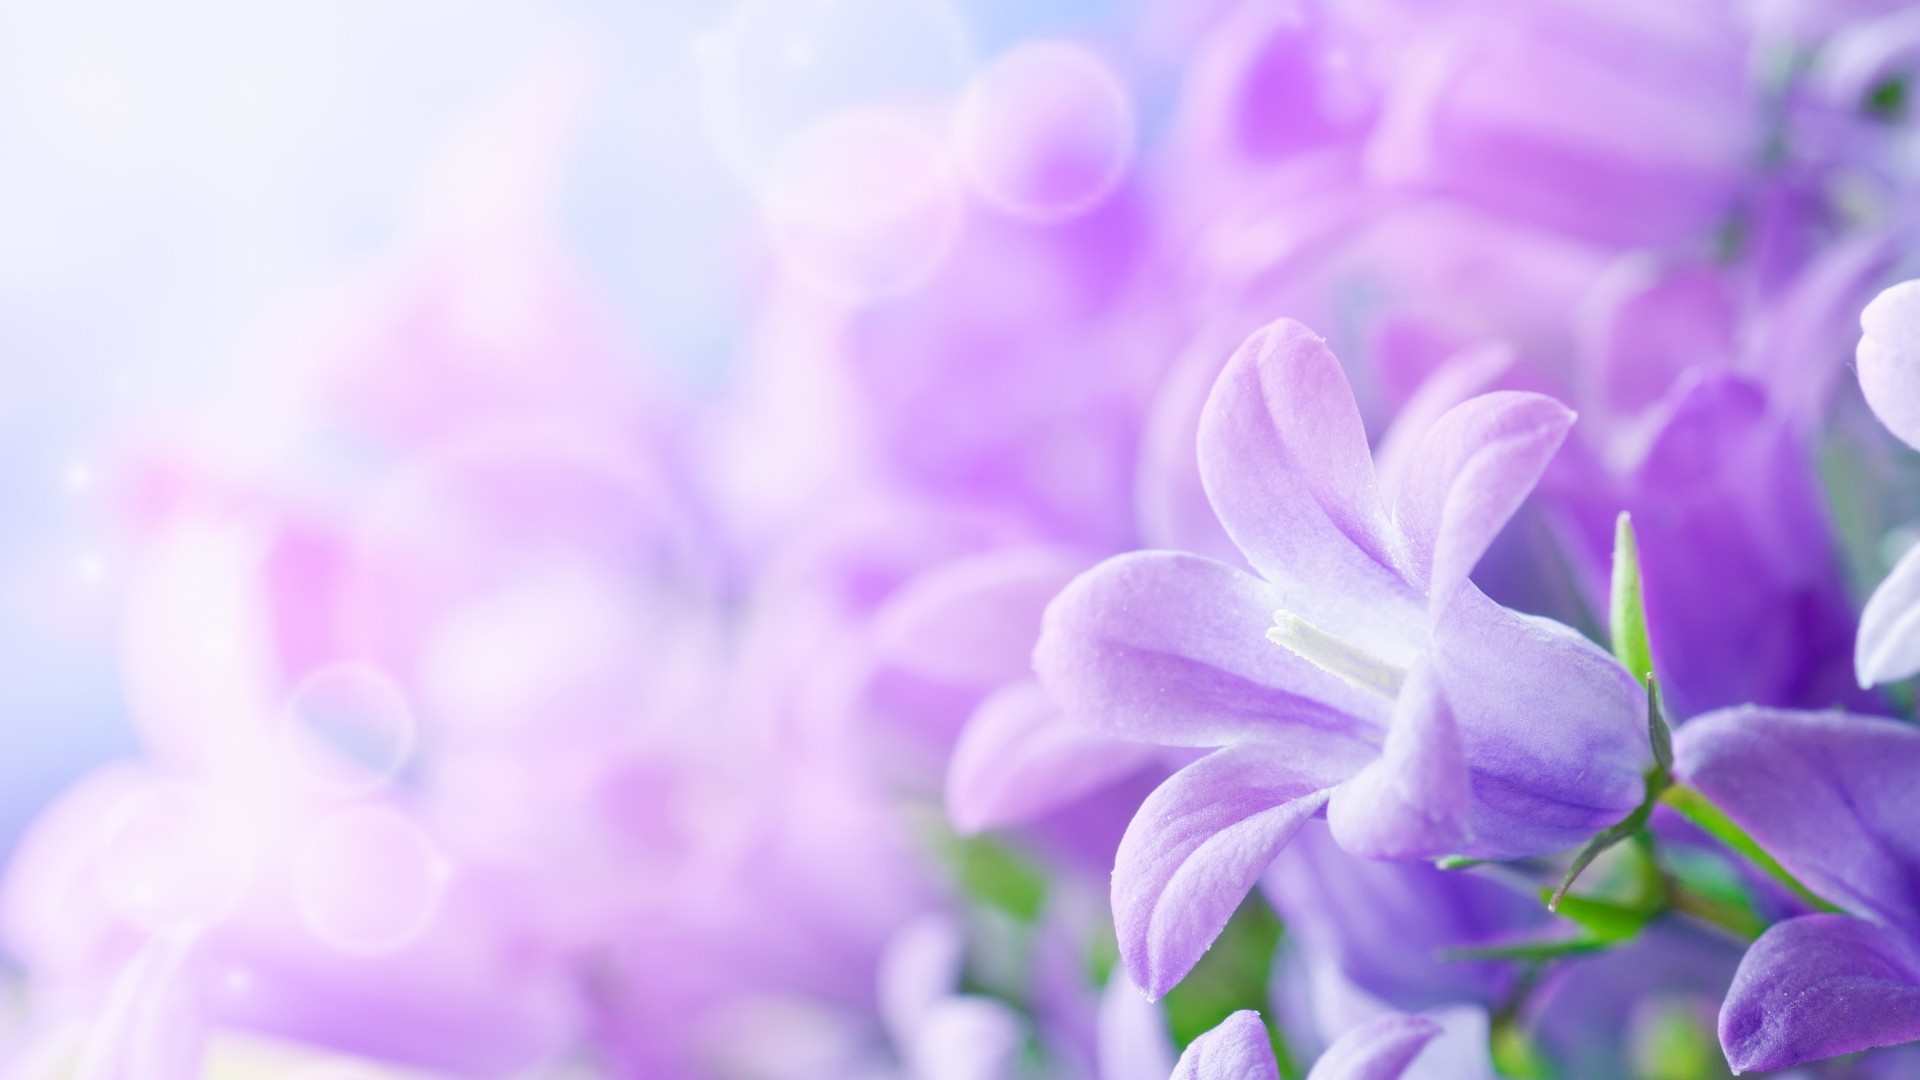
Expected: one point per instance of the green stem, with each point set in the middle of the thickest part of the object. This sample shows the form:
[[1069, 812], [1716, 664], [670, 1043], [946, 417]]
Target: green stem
[[1732, 918], [1698, 809]]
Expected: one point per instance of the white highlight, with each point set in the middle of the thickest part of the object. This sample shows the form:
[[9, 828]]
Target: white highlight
[[776, 68], [1336, 656], [863, 206], [1046, 131], [369, 882]]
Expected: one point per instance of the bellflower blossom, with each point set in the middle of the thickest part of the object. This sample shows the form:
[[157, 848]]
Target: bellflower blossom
[[1889, 646], [813, 730], [1830, 797], [1359, 674], [1396, 1046]]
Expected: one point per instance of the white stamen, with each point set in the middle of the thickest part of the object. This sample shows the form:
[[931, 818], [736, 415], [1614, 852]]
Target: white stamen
[[1334, 656]]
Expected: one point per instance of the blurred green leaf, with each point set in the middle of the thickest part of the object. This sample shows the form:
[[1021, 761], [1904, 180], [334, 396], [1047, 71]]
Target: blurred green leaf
[[1235, 974]]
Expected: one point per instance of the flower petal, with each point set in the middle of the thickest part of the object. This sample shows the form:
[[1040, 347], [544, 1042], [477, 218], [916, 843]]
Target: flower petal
[[1831, 796], [1020, 757], [1161, 647], [1415, 800], [1466, 477], [1133, 1042], [972, 620], [153, 1024], [1888, 646], [1285, 462], [1459, 377], [1554, 730], [1236, 1049], [1380, 1049], [967, 1037], [919, 968], [1383, 923], [1889, 357], [1197, 846], [1818, 986]]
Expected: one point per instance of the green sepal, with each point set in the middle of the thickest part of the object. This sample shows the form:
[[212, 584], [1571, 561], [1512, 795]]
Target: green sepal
[[1627, 611], [1659, 779], [1529, 950], [1659, 732], [1605, 921], [1620, 831]]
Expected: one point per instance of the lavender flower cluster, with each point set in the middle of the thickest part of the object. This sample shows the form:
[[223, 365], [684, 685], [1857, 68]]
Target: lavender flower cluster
[[1175, 626]]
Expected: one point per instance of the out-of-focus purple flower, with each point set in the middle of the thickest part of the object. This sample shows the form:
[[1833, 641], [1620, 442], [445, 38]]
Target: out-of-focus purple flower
[[1692, 376], [1624, 124], [150, 1025], [973, 622], [1360, 673], [1384, 926], [1745, 600], [1888, 647], [1604, 1016], [1394, 1046], [1629, 123], [302, 921], [1014, 382], [1830, 796]]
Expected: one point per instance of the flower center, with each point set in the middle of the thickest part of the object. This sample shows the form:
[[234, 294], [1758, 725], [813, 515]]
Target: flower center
[[1336, 656]]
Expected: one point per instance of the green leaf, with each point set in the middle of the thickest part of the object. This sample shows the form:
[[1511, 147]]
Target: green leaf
[[1604, 921], [1000, 877], [1698, 809], [1515, 1055], [1530, 950], [1236, 973], [1627, 611], [1673, 1040], [989, 871], [1888, 98]]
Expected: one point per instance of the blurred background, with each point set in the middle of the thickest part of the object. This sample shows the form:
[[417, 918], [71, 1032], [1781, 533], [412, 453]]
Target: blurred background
[[179, 180]]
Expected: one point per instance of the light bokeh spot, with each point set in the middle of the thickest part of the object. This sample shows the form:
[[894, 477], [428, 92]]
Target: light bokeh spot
[[775, 68], [349, 730], [369, 882], [865, 206], [1046, 131]]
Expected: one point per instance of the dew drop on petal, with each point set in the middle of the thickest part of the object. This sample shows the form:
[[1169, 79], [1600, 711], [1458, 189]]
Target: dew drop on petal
[[1046, 131]]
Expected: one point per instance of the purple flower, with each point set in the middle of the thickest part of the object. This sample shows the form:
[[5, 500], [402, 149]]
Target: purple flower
[[1358, 673], [1394, 1046], [1888, 647], [1745, 599], [1384, 926], [1832, 798]]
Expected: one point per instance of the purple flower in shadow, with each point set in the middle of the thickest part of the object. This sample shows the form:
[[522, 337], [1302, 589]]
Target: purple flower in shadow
[[1394, 1046], [1357, 672], [1832, 798]]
